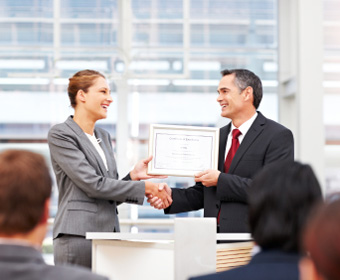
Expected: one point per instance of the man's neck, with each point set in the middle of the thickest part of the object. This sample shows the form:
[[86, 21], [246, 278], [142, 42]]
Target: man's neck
[[33, 238], [15, 241], [238, 121]]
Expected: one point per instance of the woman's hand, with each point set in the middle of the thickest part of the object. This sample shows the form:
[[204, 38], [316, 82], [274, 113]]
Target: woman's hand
[[159, 195], [140, 171]]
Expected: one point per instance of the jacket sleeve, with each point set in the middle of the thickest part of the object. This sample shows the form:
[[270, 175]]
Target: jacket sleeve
[[185, 200], [73, 168]]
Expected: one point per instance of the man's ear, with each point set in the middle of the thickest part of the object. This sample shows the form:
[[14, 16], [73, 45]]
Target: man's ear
[[81, 95], [248, 94]]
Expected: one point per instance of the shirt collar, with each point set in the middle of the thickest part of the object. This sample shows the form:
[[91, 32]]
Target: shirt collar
[[243, 128]]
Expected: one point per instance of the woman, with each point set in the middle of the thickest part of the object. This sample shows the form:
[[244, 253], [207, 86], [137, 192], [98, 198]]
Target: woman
[[86, 172]]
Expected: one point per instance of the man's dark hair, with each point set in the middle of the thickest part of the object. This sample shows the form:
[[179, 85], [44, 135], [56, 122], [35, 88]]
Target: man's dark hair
[[25, 185], [245, 78], [280, 198]]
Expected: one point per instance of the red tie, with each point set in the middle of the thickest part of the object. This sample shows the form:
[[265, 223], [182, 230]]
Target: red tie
[[232, 151]]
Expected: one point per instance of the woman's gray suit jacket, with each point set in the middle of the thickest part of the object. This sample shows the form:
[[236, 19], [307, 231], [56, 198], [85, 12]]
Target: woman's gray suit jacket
[[88, 193]]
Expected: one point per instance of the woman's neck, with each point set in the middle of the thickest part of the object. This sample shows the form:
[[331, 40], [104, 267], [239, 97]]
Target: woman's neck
[[84, 122]]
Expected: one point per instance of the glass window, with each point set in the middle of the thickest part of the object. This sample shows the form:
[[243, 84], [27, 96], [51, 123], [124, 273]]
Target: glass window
[[157, 9], [88, 34], [26, 33], [331, 83], [26, 8], [89, 9], [166, 56]]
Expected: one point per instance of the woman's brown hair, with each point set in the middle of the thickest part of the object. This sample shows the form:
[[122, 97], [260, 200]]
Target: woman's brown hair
[[81, 80]]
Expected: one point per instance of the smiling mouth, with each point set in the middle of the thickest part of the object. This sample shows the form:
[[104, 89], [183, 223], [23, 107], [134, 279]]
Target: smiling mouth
[[105, 107]]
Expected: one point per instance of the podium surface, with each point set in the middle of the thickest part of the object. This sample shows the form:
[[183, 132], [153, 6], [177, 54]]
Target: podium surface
[[189, 251], [132, 259]]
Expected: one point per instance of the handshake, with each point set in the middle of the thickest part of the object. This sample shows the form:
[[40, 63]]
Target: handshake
[[158, 194]]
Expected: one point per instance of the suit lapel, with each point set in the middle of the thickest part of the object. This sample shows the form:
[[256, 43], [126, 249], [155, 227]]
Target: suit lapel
[[104, 144], [86, 143], [224, 132], [253, 132]]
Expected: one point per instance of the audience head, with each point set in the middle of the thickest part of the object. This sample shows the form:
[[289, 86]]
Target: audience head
[[25, 189], [280, 199], [245, 78], [81, 80], [321, 241]]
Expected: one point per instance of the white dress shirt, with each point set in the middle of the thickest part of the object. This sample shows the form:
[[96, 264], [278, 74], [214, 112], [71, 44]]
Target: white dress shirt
[[243, 129]]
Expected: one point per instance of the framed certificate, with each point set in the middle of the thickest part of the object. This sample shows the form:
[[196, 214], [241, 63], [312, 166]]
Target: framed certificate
[[182, 150]]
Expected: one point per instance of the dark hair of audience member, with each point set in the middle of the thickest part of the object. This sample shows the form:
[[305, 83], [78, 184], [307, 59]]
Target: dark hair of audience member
[[280, 199], [25, 185], [321, 239]]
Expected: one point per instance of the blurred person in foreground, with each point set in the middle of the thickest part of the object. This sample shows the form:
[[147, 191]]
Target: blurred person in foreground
[[280, 198], [321, 241], [86, 172], [25, 189]]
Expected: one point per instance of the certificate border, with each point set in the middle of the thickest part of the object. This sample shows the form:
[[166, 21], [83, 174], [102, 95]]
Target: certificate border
[[167, 129]]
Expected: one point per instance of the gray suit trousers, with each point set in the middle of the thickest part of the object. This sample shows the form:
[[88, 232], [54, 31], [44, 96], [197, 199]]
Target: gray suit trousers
[[72, 250]]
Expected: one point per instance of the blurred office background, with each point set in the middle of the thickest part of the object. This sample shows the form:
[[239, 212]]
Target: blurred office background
[[163, 59]]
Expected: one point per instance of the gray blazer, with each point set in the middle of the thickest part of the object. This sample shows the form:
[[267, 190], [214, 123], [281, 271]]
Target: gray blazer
[[23, 262], [88, 193]]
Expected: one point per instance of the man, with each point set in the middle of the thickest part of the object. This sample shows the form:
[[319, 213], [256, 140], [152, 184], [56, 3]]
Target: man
[[223, 193], [25, 189]]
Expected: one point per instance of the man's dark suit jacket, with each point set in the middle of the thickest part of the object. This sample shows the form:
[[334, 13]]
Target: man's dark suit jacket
[[23, 262], [267, 265], [265, 142]]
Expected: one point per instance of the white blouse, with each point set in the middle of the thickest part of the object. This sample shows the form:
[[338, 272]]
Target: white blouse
[[99, 149]]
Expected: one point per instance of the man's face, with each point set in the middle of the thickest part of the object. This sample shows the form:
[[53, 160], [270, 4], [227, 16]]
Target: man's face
[[230, 97]]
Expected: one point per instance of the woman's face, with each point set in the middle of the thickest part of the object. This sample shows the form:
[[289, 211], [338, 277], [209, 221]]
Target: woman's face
[[97, 99]]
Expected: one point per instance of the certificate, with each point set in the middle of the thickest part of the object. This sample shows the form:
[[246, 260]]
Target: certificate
[[182, 150]]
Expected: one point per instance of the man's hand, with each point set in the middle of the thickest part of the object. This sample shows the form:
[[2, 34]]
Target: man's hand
[[156, 202], [208, 177], [159, 194], [140, 171]]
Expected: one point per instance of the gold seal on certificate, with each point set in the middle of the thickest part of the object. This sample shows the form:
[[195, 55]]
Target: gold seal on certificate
[[182, 150]]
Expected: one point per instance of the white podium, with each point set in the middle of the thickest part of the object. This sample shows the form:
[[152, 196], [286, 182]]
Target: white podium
[[189, 251]]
